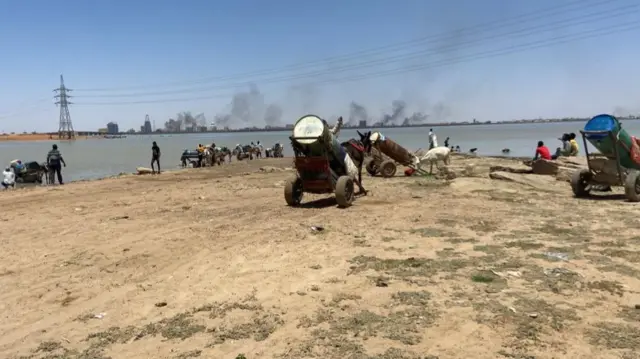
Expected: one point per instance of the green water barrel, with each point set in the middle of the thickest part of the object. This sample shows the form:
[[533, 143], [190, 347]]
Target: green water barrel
[[605, 144]]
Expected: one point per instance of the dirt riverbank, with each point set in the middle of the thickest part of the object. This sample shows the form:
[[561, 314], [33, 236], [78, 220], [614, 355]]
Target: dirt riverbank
[[36, 137], [211, 263]]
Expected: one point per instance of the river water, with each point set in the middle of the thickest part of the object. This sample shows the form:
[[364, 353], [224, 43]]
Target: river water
[[97, 158]]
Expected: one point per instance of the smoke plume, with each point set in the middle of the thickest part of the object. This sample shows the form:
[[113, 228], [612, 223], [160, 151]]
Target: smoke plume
[[357, 113], [247, 109], [273, 115], [397, 112]]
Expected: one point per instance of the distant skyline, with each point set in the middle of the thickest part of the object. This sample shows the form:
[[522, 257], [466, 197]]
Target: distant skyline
[[161, 58]]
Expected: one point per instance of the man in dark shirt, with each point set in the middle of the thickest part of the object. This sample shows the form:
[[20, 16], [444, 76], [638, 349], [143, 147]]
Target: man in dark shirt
[[155, 156], [542, 152], [54, 161]]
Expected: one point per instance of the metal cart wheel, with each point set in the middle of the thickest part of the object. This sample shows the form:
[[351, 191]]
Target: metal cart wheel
[[580, 183], [371, 168], [388, 169], [345, 191], [293, 191], [632, 186]]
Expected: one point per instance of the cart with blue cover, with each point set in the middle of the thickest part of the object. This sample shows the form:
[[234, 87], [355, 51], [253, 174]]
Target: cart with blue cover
[[618, 163]]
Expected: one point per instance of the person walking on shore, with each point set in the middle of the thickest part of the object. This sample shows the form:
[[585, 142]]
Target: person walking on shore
[[54, 159], [433, 140], [155, 157]]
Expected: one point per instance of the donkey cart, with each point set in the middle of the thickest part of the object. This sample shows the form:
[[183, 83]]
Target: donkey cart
[[318, 164], [385, 153], [619, 164]]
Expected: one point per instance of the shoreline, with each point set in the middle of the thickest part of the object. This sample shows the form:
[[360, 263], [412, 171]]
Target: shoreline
[[288, 159]]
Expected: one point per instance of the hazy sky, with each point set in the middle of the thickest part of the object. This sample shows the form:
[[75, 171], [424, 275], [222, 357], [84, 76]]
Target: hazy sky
[[476, 58]]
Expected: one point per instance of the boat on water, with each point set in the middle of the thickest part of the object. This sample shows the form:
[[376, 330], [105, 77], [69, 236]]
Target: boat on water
[[111, 137]]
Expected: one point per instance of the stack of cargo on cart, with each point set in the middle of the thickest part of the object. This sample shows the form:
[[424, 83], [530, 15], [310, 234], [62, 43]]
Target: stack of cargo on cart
[[320, 162]]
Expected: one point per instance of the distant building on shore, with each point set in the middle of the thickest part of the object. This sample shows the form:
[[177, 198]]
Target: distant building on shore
[[112, 128], [146, 128]]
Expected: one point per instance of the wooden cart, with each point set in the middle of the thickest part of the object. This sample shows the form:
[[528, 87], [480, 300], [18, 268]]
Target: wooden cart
[[316, 174], [385, 154]]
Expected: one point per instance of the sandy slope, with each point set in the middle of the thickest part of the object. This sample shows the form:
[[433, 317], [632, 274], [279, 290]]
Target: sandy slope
[[34, 137], [211, 263]]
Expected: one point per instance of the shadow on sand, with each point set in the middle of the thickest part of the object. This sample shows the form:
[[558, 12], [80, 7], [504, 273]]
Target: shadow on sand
[[606, 197], [320, 203]]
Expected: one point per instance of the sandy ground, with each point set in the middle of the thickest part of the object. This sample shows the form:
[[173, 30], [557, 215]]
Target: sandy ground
[[211, 263]]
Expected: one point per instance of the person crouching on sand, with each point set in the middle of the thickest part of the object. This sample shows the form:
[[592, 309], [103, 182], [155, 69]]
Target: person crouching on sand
[[575, 149], [9, 178], [565, 149], [542, 152]]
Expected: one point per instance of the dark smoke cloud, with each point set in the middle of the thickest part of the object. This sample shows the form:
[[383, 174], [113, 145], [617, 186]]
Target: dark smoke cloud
[[416, 118], [187, 119], [397, 113], [247, 109], [357, 113], [273, 115]]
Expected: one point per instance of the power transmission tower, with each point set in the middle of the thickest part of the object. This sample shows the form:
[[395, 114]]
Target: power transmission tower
[[65, 130]]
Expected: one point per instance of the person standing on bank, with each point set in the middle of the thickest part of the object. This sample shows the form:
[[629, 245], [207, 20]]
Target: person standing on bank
[[54, 161], [433, 139], [155, 157]]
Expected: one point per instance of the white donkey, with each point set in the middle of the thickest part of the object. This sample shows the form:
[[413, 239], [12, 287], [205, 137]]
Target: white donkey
[[434, 155]]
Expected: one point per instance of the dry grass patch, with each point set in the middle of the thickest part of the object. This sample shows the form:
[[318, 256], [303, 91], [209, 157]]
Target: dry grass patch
[[485, 226], [629, 256], [526, 319], [614, 336], [181, 326], [433, 232], [564, 232], [342, 333], [611, 287], [524, 245], [630, 314]]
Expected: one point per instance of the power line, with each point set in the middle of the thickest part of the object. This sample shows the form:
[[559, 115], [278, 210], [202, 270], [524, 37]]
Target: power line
[[519, 19], [609, 30], [34, 104], [24, 112], [603, 31], [558, 25], [28, 110]]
